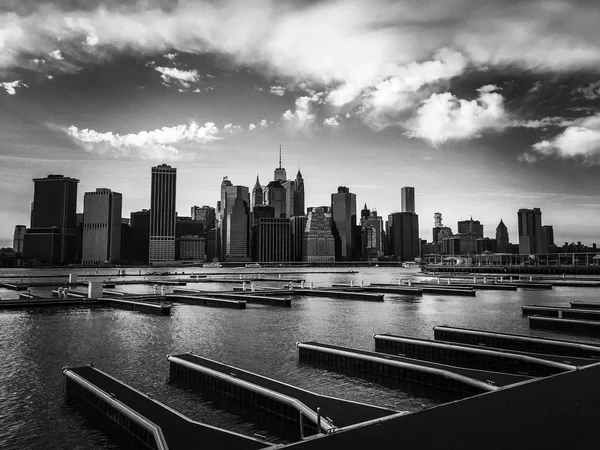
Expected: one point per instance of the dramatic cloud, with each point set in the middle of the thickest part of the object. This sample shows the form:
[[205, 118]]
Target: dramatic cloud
[[579, 141], [11, 86], [591, 91], [304, 115], [92, 41], [331, 122], [444, 117], [56, 54], [181, 78], [277, 90], [164, 143]]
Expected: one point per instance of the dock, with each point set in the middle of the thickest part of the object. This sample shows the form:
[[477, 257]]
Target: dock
[[529, 415], [470, 357], [439, 376], [441, 289], [40, 302], [516, 342], [139, 303], [206, 301], [587, 327], [585, 305], [345, 295], [245, 296], [561, 312], [311, 411], [151, 423]]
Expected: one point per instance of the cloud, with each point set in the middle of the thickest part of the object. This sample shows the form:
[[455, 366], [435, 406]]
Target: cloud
[[181, 78], [591, 91], [92, 41], [11, 86], [303, 115], [543, 123], [444, 117], [579, 141], [263, 123], [171, 143], [56, 54], [251, 127], [170, 56], [331, 122], [277, 90], [231, 128]]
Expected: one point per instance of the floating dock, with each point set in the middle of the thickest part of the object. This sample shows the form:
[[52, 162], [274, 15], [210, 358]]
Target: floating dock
[[245, 296], [529, 415], [387, 289], [206, 301], [138, 304], [345, 295], [290, 403], [151, 423], [587, 327], [470, 357], [516, 342], [561, 313], [585, 305], [439, 376], [432, 289], [39, 302]]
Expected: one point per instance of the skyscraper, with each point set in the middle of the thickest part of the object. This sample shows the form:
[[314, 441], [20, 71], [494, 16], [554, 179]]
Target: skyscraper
[[299, 209], [473, 227], [547, 238], [275, 196], [530, 231], [297, 227], [51, 238], [257, 194], [502, 238], [163, 216], [101, 227], [140, 225], [279, 174], [407, 194], [319, 242], [19, 238], [403, 235], [343, 223], [372, 234], [233, 223]]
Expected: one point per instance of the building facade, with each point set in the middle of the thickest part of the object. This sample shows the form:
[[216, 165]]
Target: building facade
[[19, 238], [163, 214], [52, 235], [101, 227], [343, 223], [530, 231], [297, 227], [403, 236], [271, 239], [502, 239], [407, 195], [547, 239], [319, 242]]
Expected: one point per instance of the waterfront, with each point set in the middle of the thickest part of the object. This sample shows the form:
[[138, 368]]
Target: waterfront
[[132, 346]]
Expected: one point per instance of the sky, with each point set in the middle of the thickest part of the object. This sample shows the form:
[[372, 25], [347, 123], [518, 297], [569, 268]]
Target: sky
[[483, 107]]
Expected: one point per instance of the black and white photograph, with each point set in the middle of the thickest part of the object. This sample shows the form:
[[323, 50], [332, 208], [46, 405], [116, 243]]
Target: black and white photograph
[[299, 224]]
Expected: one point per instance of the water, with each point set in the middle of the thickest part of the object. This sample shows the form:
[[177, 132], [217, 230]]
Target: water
[[132, 346]]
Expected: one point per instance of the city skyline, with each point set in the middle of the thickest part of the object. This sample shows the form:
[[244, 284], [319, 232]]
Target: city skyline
[[480, 121]]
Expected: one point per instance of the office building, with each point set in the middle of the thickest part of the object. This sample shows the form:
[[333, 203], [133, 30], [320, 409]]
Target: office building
[[101, 227], [297, 227], [140, 225], [530, 231], [408, 199], [487, 245], [319, 242], [51, 238], [547, 238], [371, 234], [192, 248], [163, 215], [271, 239], [470, 226], [233, 210], [343, 223], [257, 194], [502, 238], [19, 238], [403, 236], [205, 214], [275, 195]]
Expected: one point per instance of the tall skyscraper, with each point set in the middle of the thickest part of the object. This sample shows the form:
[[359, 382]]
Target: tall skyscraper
[[51, 238], [271, 239], [343, 220], [101, 227], [275, 196], [19, 238], [403, 235], [407, 194], [319, 242], [371, 234], [279, 174], [547, 238], [163, 215], [530, 231], [502, 237], [299, 209], [140, 225], [233, 223], [257, 194], [297, 227]]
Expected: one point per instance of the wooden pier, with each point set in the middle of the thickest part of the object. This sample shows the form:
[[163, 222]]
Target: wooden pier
[[587, 327], [516, 342], [439, 376], [470, 357], [151, 423], [312, 412]]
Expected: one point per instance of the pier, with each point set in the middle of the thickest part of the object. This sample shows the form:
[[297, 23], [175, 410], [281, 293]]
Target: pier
[[442, 289], [585, 305], [561, 313], [317, 413], [206, 301], [470, 357], [151, 423], [516, 342], [245, 296], [587, 327], [439, 376]]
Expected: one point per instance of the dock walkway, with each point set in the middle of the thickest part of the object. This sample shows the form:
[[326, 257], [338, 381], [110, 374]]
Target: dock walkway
[[179, 431]]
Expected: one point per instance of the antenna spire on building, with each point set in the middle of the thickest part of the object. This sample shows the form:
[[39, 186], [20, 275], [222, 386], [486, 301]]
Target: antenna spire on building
[[280, 156]]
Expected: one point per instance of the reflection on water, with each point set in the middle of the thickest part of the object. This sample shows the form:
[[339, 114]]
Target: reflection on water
[[132, 346]]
